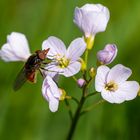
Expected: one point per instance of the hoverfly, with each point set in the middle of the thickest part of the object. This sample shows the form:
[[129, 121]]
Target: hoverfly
[[28, 72]]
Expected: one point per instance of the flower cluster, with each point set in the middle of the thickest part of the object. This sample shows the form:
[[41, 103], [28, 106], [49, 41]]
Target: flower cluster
[[111, 83]]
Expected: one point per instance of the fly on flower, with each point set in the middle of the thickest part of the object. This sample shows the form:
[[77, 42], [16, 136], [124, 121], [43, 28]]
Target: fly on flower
[[17, 49], [30, 68]]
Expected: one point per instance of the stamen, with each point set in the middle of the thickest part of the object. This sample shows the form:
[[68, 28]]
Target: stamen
[[111, 86]]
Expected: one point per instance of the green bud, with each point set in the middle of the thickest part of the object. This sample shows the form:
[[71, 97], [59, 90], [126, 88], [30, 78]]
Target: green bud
[[92, 72], [83, 65]]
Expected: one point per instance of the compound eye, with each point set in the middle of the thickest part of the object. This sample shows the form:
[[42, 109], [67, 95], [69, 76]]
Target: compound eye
[[41, 55]]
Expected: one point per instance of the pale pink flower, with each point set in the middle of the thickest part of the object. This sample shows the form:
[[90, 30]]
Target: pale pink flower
[[51, 93], [108, 54], [113, 85], [91, 18], [65, 61]]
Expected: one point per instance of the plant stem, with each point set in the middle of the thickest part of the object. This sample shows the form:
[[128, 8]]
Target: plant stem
[[86, 57], [92, 106], [77, 115]]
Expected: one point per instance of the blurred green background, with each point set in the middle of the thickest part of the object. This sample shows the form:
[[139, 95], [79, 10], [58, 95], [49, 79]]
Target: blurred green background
[[24, 115]]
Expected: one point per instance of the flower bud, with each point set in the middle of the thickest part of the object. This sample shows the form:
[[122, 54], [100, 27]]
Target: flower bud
[[107, 55], [92, 72], [63, 94], [81, 82], [83, 65]]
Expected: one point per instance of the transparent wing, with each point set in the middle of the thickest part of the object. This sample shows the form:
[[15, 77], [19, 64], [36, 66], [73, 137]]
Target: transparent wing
[[20, 79]]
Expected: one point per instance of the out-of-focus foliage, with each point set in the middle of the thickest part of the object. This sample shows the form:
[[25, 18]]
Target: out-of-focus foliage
[[24, 115]]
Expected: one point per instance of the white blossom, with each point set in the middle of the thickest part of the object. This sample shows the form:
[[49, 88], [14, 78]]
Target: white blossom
[[91, 18], [16, 48], [51, 93], [65, 61], [113, 85]]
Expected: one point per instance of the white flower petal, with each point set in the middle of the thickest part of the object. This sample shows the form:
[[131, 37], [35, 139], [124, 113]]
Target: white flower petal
[[51, 93], [16, 48], [57, 47], [91, 18], [54, 88], [6, 53], [53, 105], [100, 79], [112, 97], [119, 73], [129, 89], [72, 69], [76, 49], [108, 96], [92, 7], [54, 67]]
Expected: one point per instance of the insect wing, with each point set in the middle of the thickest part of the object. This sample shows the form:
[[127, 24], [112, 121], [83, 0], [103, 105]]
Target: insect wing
[[20, 79]]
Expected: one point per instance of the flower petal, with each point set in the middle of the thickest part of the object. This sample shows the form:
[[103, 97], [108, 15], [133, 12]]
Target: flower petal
[[57, 47], [108, 54], [108, 96], [6, 53], [129, 89], [54, 68], [100, 79], [51, 93], [91, 18], [16, 48], [53, 105], [119, 74], [76, 49], [72, 69]]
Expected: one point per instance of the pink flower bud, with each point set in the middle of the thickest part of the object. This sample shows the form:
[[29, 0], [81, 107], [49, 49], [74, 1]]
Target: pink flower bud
[[108, 54], [81, 82]]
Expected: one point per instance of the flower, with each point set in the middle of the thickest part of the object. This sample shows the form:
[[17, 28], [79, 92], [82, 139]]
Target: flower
[[16, 48], [51, 93], [108, 54], [113, 85], [64, 62], [91, 18]]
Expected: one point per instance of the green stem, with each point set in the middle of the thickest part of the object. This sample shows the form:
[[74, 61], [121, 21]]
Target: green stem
[[86, 57], [77, 115], [91, 94], [74, 78], [74, 99], [92, 106]]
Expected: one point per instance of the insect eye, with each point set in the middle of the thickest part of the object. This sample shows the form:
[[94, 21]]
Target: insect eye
[[41, 56]]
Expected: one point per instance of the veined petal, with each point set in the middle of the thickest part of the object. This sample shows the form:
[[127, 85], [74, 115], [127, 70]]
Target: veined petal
[[51, 93], [6, 53], [100, 79], [53, 104], [57, 47], [129, 89], [108, 96], [108, 54], [19, 45], [91, 18], [119, 74], [54, 88], [54, 67], [72, 69], [76, 49], [16, 48]]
